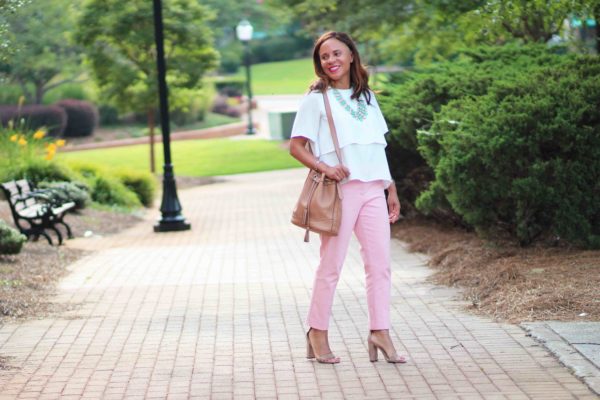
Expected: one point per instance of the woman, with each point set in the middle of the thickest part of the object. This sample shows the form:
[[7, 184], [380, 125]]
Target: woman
[[363, 176]]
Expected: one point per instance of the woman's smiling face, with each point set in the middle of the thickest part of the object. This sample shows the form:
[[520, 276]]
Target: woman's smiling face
[[336, 58]]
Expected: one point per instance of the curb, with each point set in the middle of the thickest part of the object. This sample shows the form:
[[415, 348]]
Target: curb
[[566, 354], [238, 128]]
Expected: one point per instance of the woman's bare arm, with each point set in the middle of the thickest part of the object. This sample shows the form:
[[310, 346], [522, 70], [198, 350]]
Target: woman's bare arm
[[299, 151]]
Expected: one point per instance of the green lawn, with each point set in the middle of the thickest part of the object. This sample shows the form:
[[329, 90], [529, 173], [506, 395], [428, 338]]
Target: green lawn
[[283, 77], [207, 157]]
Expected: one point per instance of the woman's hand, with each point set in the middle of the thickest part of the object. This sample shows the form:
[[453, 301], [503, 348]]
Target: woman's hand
[[393, 206], [337, 173]]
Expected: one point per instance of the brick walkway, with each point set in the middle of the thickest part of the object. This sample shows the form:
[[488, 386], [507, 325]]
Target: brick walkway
[[216, 312]]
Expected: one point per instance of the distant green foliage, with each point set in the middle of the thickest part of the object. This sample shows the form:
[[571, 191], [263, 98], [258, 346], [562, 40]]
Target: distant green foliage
[[78, 91], [281, 48], [45, 56], [525, 156], [119, 41], [281, 77], [10, 93], [39, 171], [192, 105], [11, 241]]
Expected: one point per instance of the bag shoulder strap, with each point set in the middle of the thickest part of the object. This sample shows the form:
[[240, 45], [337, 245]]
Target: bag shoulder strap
[[332, 127]]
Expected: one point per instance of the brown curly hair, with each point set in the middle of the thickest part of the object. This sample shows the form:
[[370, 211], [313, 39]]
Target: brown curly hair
[[359, 77]]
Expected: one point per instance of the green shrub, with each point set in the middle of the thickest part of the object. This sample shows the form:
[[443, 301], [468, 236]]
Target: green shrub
[[108, 190], [11, 241], [525, 156], [411, 101], [105, 186], [230, 87], [10, 93], [192, 105], [63, 192], [108, 115], [39, 171], [231, 57], [67, 91], [143, 184]]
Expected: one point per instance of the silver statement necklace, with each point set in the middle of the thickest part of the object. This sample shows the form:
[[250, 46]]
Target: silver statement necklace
[[360, 114]]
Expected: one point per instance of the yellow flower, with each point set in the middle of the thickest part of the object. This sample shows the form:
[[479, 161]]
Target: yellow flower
[[51, 148], [14, 138], [39, 134], [49, 155], [22, 141], [60, 142]]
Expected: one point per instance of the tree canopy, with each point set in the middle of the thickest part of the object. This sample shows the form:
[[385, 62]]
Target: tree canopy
[[429, 30], [43, 55], [7, 7], [119, 41]]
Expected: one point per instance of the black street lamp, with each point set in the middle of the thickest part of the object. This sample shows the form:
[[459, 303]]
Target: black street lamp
[[244, 34], [171, 218]]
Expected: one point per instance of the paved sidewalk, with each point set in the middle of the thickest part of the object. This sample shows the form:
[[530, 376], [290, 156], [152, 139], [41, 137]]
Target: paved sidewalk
[[217, 312]]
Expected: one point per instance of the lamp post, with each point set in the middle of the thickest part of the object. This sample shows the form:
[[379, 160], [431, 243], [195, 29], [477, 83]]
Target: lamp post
[[244, 33], [171, 218]]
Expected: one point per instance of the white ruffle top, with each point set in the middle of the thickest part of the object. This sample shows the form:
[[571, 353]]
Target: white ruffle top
[[362, 143]]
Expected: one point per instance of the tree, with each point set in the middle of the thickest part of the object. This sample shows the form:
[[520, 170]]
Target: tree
[[529, 20], [7, 7], [591, 9], [44, 55], [119, 41], [431, 30]]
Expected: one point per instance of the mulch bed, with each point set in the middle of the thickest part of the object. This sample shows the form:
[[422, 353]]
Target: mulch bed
[[508, 282], [29, 278]]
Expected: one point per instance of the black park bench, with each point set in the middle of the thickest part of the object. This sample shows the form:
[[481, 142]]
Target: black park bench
[[36, 210]]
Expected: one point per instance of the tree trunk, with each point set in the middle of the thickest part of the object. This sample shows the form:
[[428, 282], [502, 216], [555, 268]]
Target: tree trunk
[[28, 96], [151, 128], [39, 92]]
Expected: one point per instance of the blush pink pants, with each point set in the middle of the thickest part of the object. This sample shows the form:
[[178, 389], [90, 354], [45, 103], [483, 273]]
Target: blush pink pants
[[364, 212]]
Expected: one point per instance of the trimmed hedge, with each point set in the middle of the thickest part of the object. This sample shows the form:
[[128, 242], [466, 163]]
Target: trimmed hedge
[[53, 118], [82, 117], [525, 156], [411, 101], [503, 139]]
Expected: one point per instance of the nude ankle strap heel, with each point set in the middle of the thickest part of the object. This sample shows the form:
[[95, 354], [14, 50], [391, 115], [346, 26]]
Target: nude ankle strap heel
[[310, 354], [329, 358], [372, 351], [374, 347]]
